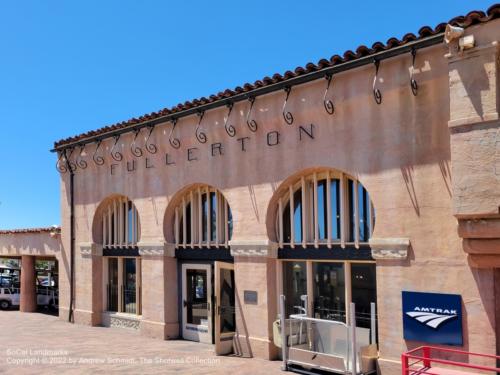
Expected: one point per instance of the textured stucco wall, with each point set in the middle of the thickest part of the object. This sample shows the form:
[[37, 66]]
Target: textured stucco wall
[[400, 151]]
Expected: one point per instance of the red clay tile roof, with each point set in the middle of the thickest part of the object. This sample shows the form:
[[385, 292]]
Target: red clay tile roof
[[472, 18], [31, 230]]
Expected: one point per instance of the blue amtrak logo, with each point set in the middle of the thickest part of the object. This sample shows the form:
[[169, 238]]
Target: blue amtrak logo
[[432, 317]]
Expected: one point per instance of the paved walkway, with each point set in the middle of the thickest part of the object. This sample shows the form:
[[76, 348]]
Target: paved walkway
[[42, 344]]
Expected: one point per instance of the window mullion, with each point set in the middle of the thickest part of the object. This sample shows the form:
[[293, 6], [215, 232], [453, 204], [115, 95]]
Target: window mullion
[[304, 213], [226, 223], [217, 224], [200, 218], [315, 220], [126, 224], [292, 219], [184, 223], [328, 211], [280, 222], [356, 213], [209, 217], [342, 211]]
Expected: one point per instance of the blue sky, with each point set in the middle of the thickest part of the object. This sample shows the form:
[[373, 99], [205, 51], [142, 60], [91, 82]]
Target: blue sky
[[70, 66]]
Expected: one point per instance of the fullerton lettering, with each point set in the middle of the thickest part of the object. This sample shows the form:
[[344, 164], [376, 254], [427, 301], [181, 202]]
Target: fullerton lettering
[[272, 138]]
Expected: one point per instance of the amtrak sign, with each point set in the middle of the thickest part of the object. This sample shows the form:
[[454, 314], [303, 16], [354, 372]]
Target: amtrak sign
[[432, 317]]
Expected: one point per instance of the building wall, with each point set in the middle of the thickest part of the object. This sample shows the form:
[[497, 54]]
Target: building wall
[[399, 150]]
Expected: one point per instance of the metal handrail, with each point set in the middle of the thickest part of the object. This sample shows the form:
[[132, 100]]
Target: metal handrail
[[427, 360]]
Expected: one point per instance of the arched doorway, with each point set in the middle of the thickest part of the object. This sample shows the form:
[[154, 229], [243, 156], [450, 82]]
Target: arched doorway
[[200, 223], [323, 219], [117, 228]]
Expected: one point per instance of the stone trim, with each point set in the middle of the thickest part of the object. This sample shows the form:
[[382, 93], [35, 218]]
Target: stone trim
[[89, 249], [156, 249], [252, 248], [110, 319], [389, 248]]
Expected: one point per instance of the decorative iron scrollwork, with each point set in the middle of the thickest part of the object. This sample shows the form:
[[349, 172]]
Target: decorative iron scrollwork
[[134, 149], [251, 123], [327, 103], [174, 142], [116, 155], [60, 165], [79, 159], [150, 147], [200, 135], [413, 82], [64, 163], [230, 129], [98, 159], [286, 114], [376, 92]]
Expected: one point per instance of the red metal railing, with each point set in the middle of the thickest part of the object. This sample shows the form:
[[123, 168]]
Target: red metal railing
[[422, 357]]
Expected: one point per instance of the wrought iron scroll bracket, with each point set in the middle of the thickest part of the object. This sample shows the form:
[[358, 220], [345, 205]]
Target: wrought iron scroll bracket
[[327, 103], [376, 92], [413, 82], [286, 114], [60, 166], [79, 160], [251, 123], [68, 164], [134, 149], [150, 147], [116, 155], [200, 135], [174, 142], [98, 159], [230, 130]]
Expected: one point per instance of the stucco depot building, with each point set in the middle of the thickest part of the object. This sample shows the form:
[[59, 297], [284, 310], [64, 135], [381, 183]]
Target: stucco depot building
[[356, 179]]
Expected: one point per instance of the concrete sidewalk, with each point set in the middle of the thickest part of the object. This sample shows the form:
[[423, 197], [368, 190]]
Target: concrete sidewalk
[[33, 343]]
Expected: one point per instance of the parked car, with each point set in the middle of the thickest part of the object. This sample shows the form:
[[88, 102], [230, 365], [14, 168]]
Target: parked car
[[9, 297], [47, 297]]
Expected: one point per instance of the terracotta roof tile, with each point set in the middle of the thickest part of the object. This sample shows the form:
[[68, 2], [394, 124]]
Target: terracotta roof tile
[[471, 18], [31, 230]]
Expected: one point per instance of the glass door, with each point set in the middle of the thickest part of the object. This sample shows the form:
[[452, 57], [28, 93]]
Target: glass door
[[196, 297], [225, 317]]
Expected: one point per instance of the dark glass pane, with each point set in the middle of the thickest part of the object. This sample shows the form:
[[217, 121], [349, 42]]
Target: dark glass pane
[[129, 283], [350, 193], [364, 211], [335, 203], [329, 291], [188, 223], [297, 219], [196, 304], [213, 217], [204, 215], [230, 222], [322, 211], [364, 291], [297, 215], [294, 286], [226, 308], [112, 284]]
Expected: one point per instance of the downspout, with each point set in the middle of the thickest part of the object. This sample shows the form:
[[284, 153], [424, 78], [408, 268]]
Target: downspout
[[72, 237]]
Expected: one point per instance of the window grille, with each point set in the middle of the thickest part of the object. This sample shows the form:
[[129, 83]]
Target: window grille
[[324, 208], [120, 224], [203, 219]]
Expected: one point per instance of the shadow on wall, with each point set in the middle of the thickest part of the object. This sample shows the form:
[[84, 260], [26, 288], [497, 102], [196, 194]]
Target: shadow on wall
[[243, 335]]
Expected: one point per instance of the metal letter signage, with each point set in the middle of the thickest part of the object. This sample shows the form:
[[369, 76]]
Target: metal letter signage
[[432, 318]]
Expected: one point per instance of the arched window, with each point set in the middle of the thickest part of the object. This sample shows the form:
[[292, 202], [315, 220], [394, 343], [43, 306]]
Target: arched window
[[203, 218], [324, 208], [120, 224]]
